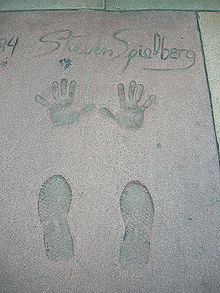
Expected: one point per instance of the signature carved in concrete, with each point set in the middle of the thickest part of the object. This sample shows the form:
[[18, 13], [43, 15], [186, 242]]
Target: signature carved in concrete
[[131, 114], [61, 112]]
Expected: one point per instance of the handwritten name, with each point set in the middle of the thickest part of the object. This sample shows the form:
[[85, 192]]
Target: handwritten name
[[76, 44]]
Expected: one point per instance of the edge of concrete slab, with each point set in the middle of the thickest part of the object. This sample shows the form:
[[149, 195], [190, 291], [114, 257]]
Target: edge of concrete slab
[[117, 5], [107, 11], [213, 79], [47, 5]]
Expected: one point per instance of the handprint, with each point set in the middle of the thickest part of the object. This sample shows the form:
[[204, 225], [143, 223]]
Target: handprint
[[131, 114], [60, 110]]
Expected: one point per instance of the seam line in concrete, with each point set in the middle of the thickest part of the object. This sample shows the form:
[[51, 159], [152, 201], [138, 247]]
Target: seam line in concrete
[[207, 81], [106, 10]]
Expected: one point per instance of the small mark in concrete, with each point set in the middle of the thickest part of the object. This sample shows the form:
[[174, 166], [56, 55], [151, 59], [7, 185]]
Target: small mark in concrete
[[159, 146], [54, 201], [190, 219], [60, 109], [138, 214], [3, 64], [131, 114], [65, 63]]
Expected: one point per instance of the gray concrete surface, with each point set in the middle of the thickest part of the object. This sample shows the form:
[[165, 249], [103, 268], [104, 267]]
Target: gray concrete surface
[[172, 152]]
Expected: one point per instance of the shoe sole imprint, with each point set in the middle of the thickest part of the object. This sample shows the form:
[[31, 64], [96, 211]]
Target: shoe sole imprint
[[54, 201], [138, 214]]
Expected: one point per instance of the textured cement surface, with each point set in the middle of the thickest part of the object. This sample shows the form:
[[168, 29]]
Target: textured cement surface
[[210, 31], [163, 4], [11, 5], [172, 151]]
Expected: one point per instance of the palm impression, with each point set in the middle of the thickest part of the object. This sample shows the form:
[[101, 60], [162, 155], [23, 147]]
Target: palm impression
[[131, 114], [61, 112]]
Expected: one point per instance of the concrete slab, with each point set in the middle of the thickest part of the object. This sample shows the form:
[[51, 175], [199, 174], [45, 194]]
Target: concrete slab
[[210, 32], [13, 5], [160, 4], [109, 165]]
